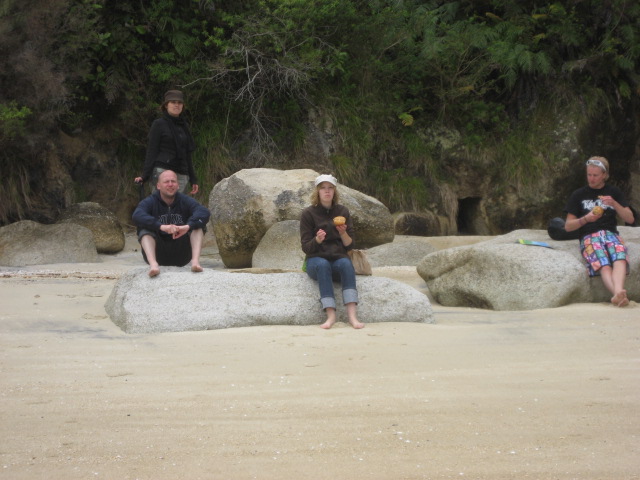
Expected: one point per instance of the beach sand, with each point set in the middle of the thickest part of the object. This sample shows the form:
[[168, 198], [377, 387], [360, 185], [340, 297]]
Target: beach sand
[[544, 394]]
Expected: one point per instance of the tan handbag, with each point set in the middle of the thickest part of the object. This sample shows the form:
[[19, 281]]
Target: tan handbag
[[360, 261]]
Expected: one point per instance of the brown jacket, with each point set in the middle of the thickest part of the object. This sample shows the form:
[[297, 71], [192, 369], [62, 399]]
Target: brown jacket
[[315, 218]]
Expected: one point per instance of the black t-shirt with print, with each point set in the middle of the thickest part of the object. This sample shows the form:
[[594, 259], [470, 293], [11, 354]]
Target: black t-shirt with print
[[584, 199]]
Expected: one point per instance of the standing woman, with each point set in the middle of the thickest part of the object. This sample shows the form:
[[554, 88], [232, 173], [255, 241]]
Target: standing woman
[[325, 241], [170, 145], [593, 210]]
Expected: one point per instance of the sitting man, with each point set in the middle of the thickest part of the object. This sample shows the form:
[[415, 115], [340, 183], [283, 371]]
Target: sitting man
[[171, 226]]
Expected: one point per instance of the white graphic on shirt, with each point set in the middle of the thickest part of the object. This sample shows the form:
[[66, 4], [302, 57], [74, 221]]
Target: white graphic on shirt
[[589, 204], [171, 219]]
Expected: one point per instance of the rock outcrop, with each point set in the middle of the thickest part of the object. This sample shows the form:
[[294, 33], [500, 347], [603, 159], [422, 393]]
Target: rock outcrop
[[501, 274], [424, 224], [178, 300], [405, 250], [246, 204], [30, 243], [280, 247], [107, 231]]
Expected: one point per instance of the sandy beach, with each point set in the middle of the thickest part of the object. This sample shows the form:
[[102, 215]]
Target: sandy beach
[[544, 394]]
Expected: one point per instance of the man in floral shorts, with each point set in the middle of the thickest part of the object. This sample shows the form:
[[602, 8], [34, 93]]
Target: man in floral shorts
[[593, 210]]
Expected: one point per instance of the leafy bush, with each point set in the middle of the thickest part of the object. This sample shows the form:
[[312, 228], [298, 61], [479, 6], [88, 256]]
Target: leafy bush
[[12, 122], [385, 71]]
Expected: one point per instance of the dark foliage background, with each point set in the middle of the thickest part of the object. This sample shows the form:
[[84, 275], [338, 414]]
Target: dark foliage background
[[379, 74]]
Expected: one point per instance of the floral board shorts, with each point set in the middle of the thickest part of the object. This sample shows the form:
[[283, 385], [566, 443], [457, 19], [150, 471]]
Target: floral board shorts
[[601, 249]]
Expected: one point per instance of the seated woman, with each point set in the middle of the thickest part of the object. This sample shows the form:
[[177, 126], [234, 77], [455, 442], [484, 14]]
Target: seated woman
[[325, 244], [592, 210]]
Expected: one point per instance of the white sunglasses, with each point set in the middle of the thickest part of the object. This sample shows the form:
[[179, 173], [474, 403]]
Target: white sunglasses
[[597, 163]]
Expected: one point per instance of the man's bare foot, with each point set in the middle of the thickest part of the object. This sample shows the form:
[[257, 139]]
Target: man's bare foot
[[196, 268], [624, 301], [355, 323], [154, 271], [619, 297]]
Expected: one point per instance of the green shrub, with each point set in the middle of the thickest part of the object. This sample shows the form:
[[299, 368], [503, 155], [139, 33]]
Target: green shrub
[[13, 121]]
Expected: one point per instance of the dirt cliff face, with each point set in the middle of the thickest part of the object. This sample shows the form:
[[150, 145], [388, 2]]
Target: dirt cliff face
[[477, 197], [82, 168], [492, 201]]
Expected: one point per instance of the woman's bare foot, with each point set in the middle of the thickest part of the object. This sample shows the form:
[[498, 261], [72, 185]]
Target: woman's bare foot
[[331, 318], [328, 324], [352, 315], [154, 271], [355, 323], [196, 268]]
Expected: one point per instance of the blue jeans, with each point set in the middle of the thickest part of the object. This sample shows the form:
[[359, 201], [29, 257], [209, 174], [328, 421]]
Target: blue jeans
[[325, 272]]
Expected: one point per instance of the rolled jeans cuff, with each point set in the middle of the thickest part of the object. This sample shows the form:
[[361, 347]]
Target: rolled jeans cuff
[[350, 295], [328, 302]]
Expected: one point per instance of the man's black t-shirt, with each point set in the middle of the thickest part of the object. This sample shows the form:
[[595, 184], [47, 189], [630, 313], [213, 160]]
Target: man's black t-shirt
[[584, 199]]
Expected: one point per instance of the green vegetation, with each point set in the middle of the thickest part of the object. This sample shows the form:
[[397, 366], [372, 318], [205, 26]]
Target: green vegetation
[[385, 73], [12, 121]]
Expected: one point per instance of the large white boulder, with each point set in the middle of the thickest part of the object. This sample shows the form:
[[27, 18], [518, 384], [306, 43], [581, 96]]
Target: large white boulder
[[403, 251], [107, 231], [280, 247], [246, 204], [30, 243], [178, 300], [501, 274]]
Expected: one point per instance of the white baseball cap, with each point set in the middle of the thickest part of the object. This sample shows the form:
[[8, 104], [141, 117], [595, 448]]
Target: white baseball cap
[[326, 178]]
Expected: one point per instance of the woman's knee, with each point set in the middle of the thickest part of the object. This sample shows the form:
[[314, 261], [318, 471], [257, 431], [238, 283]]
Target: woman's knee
[[344, 265], [317, 265]]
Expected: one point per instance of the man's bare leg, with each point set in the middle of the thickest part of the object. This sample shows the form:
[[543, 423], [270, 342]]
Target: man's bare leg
[[196, 239], [352, 315], [614, 281], [331, 318], [619, 276], [148, 244]]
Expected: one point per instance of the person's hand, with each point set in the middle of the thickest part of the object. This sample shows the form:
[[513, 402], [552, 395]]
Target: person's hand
[[194, 189], [591, 217], [176, 231], [180, 231], [342, 229], [138, 180], [607, 200], [320, 236], [170, 229]]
